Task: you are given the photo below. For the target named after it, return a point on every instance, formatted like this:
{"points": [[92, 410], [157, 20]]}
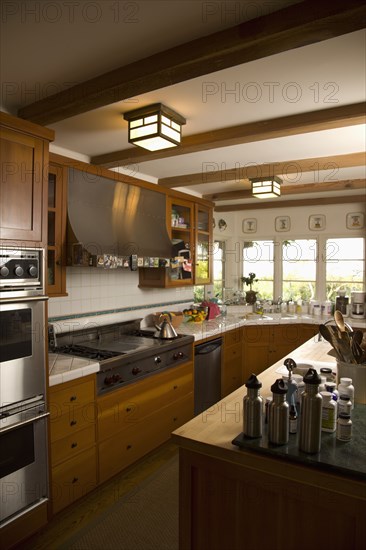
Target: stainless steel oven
{"points": [[23, 407]]}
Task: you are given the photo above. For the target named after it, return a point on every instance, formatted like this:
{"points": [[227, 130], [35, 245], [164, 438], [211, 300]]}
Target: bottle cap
{"points": [[279, 387], [326, 395], [345, 416], [346, 381], [253, 382], [344, 397], [312, 377]]}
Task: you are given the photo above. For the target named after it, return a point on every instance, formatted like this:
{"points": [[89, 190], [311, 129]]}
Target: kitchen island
{"points": [[256, 497]]}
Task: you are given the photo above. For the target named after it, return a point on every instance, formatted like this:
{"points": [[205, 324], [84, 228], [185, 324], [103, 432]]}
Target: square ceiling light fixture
{"points": [[154, 127], [266, 188]]}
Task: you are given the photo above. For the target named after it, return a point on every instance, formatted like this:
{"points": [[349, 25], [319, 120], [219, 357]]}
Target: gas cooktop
{"points": [[123, 350]]}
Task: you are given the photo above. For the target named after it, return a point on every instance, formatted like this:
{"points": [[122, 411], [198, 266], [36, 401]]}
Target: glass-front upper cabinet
{"points": [[56, 275], [203, 245], [181, 216]]}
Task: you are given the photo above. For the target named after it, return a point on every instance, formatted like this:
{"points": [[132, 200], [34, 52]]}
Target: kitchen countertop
{"points": [[63, 368], [209, 434], [237, 318]]}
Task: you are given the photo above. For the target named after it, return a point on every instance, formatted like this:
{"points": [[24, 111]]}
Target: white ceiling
{"points": [[46, 51]]}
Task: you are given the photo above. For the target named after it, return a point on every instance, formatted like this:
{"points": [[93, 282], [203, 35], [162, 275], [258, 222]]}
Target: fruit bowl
{"points": [[196, 315]]}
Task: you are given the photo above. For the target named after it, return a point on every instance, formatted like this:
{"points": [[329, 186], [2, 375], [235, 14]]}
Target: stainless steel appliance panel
{"points": [[22, 349], [207, 375], [23, 468]]}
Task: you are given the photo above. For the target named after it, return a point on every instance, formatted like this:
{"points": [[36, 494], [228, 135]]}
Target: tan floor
{"points": [[69, 521]]}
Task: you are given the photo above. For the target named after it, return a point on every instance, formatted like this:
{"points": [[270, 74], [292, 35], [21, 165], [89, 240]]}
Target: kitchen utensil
{"points": [[341, 324], [165, 330], [343, 343], [328, 336]]}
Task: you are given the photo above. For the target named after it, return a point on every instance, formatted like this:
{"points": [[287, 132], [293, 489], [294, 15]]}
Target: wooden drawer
{"points": [[233, 337], [233, 352], [128, 406], [69, 446], [65, 397], [73, 479], [135, 441], [72, 407]]}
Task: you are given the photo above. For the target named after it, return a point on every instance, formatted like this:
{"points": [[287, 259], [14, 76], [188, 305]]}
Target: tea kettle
{"points": [[165, 330]]}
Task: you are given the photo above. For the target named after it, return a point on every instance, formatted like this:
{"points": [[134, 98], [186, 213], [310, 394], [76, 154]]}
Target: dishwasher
{"points": [[207, 375]]}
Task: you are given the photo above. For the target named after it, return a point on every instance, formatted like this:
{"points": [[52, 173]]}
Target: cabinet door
{"points": [[180, 215], [56, 258], [203, 245], [23, 159]]}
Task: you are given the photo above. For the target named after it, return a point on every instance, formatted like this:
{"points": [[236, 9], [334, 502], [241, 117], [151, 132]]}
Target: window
{"points": [[258, 258], [345, 265], [219, 268], [299, 261]]}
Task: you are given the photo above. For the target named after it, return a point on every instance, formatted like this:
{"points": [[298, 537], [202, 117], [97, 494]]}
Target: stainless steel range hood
{"points": [[113, 217]]}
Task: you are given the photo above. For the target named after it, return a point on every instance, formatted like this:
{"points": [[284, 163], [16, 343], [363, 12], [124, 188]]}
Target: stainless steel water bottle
{"points": [[278, 424], [311, 414], [252, 408]]}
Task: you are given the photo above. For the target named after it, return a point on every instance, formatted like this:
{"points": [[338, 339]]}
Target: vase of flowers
{"points": [[250, 295]]}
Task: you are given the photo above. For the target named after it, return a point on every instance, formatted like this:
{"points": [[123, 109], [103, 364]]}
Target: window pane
{"points": [[258, 258], [345, 265], [299, 269]]}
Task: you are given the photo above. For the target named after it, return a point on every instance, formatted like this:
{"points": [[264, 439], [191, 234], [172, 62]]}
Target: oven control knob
{"points": [[108, 380], [18, 270], [33, 271], [116, 378], [4, 271], [178, 355], [157, 360], [135, 370]]}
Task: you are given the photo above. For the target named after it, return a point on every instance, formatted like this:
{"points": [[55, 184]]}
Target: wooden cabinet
{"points": [[23, 184], [267, 344], [134, 420], [73, 442], [57, 210], [189, 226], [232, 366]]}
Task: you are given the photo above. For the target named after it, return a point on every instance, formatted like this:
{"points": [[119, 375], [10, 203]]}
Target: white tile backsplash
{"points": [[93, 290]]}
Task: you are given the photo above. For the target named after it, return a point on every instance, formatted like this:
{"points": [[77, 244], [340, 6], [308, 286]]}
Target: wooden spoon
{"points": [[339, 320]]}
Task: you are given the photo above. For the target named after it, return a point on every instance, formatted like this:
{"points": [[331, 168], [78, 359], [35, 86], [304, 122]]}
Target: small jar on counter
{"points": [[344, 427], [346, 387], [329, 412]]}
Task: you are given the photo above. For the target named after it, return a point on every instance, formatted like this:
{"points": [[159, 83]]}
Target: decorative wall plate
{"points": [[317, 222], [355, 220], [249, 225], [283, 223]]}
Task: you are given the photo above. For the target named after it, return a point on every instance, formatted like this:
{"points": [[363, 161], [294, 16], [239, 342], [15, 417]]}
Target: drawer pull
{"points": [[75, 480], [128, 409], [73, 422], [73, 398], [175, 387], [129, 447], [175, 419], [73, 445]]}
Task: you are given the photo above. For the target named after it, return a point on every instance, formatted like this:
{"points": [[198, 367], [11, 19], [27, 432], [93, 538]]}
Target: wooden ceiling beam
{"points": [[292, 27], [297, 189], [278, 203], [251, 170], [313, 121]]}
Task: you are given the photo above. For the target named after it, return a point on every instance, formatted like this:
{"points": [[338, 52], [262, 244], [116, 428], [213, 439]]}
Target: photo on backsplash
{"points": [[355, 220], [282, 223], [317, 222], [249, 225]]}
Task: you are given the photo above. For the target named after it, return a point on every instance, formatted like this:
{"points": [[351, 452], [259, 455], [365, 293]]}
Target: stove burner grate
{"points": [[87, 353]]}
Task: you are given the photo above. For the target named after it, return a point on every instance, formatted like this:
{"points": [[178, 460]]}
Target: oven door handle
{"points": [[21, 299], [24, 422]]}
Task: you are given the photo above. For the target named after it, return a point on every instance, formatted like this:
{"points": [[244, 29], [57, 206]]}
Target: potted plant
{"points": [[250, 295]]}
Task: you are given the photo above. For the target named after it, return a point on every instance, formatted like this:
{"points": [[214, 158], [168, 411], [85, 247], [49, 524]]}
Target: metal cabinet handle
{"points": [[129, 447], [73, 398], [73, 422], [128, 409], [175, 387], [75, 480], [73, 445]]}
